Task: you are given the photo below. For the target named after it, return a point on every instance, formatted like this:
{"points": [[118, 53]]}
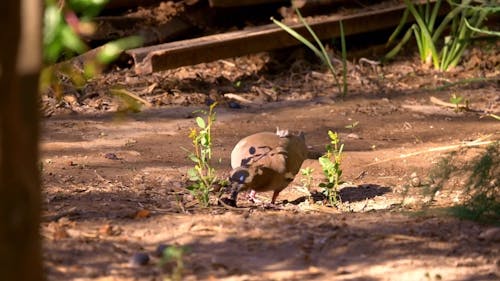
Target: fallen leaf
{"points": [[141, 214]]}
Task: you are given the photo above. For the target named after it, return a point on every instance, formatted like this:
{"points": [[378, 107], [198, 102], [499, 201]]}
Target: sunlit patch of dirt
{"points": [[115, 185]]}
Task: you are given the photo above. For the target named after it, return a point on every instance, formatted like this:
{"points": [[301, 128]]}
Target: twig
{"points": [[477, 142], [238, 98], [464, 81], [447, 104], [130, 95]]}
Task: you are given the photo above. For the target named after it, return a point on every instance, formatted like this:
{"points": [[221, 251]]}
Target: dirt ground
{"points": [[114, 184]]}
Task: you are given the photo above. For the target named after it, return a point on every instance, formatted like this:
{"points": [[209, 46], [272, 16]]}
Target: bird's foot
{"points": [[251, 197]]}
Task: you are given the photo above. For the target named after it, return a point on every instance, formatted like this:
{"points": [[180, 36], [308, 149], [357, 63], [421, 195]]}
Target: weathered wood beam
{"points": [[241, 3], [257, 39]]}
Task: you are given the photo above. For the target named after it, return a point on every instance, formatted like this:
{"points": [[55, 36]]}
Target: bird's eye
{"points": [[252, 150], [239, 176]]}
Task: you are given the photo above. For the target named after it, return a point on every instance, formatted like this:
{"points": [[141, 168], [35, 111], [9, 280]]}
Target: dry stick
{"points": [[131, 95], [238, 98], [477, 142], [447, 104]]}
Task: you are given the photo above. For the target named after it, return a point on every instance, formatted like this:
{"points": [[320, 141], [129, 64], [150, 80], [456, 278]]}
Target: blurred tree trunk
{"points": [[20, 58]]}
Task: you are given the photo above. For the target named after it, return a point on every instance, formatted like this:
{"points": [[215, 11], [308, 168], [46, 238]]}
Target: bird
{"points": [[266, 161]]}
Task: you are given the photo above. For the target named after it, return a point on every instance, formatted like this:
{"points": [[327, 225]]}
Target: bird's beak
{"points": [[235, 189]]}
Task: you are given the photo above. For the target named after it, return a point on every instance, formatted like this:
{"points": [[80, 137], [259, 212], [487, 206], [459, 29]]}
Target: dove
{"points": [[266, 161]]}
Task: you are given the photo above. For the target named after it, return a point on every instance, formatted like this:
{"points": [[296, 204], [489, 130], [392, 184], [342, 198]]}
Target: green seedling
{"points": [[330, 164], [320, 50], [174, 254], [306, 179], [202, 174], [456, 100]]}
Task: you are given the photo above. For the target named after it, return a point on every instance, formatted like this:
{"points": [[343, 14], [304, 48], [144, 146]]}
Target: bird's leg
{"points": [[272, 205], [234, 195], [275, 195], [251, 197]]}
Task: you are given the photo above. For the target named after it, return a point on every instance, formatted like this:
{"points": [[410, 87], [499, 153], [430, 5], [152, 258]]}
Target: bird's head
{"points": [[241, 178]]}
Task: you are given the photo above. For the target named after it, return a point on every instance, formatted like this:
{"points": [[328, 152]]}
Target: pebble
{"points": [[234, 105], [415, 180], [139, 259], [490, 235]]}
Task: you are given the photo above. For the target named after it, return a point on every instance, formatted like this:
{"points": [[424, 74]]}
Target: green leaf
{"points": [[193, 158], [200, 122], [71, 40], [299, 37], [112, 50], [425, 33], [398, 47], [53, 22], [324, 55], [193, 174], [324, 161], [454, 99], [344, 58], [400, 26]]}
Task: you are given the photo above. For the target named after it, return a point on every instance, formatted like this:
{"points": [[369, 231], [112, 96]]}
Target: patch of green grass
{"points": [[202, 175], [437, 48], [482, 188], [330, 164], [320, 50]]}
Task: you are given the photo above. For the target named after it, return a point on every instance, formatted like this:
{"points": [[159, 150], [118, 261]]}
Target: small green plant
{"points": [[321, 52], [456, 100], [480, 190], [307, 178], [492, 9], [330, 164], [202, 174], [174, 254], [429, 35]]}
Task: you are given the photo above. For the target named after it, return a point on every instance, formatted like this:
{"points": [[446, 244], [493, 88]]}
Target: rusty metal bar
{"points": [[257, 39]]}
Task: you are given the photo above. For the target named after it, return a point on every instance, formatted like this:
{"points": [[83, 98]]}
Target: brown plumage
{"points": [[266, 162]]}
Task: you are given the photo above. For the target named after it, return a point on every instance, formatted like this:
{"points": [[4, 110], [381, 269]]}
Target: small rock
{"points": [[111, 156], [234, 105], [490, 235], [353, 136], [209, 101], [415, 180], [139, 259]]}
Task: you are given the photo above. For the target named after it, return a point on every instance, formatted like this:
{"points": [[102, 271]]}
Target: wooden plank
{"points": [[241, 3], [257, 39]]}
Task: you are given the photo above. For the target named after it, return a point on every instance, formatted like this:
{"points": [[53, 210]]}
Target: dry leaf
{"points": [[141, 214]]}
